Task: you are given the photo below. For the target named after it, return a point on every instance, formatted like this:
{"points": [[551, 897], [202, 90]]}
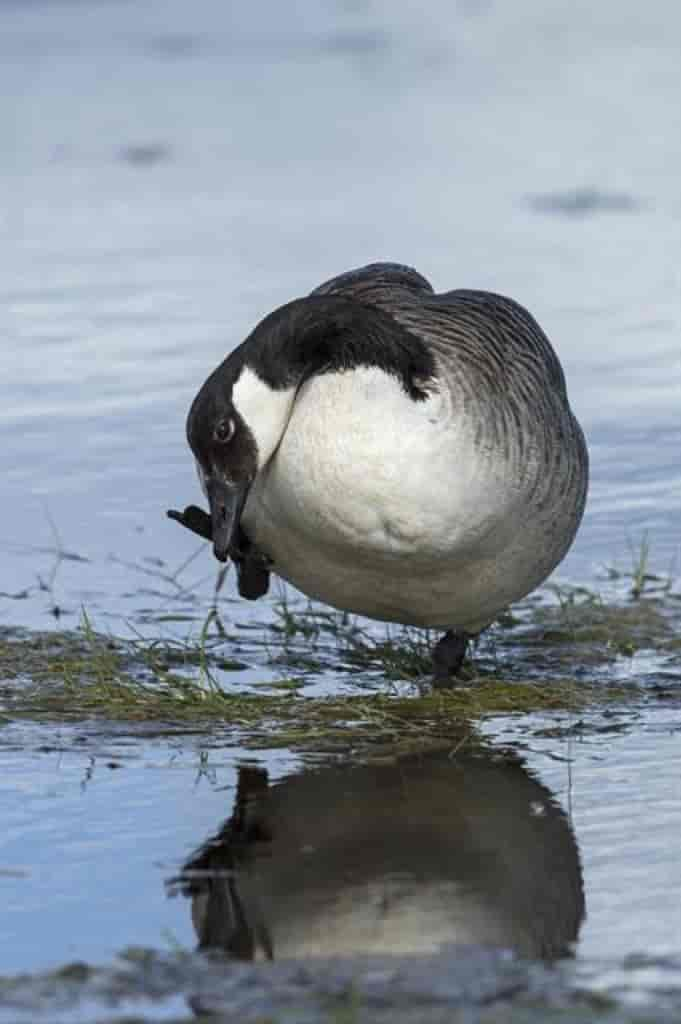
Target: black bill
{"points": [[226, 505]]}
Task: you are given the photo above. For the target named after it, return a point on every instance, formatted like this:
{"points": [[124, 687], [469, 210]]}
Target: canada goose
{"points": [[403, 455]]}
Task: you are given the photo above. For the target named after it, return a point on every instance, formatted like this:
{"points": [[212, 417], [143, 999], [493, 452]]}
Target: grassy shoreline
{"points": [[572, 654]]}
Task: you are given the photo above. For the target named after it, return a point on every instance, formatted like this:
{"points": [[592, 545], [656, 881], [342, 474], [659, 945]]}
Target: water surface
{"points": [[167, 180], [171, 174]]}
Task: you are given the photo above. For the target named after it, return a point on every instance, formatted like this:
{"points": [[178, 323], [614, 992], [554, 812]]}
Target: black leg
{"points": [[252, 569], [448, 655]]}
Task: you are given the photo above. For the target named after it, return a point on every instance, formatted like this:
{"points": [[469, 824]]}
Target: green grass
{"points": [[539, 641], [641, 580], [76, 675], [570, 650]]}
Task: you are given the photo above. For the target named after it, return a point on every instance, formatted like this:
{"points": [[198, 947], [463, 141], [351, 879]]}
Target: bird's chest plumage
{"points": [[372, 500], [360, 466]]}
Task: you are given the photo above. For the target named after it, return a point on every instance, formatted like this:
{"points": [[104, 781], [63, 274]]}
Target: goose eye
{"points": [[224, 431]]}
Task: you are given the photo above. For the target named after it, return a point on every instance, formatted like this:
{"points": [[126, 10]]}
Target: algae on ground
{"points": [[530, 663], [69, 676]]}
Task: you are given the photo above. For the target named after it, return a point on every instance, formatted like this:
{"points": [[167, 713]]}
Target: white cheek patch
{"points": [[264, 410], [202, 477]]}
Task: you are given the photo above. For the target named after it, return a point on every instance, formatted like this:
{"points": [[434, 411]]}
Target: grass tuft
{"points": [[572, 652]]}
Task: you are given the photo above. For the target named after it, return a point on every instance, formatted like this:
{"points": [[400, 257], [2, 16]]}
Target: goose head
{"points": [[234, 427]]}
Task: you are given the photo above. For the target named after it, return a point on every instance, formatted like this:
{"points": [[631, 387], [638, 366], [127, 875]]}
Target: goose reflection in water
{"points": [[405, 857]]}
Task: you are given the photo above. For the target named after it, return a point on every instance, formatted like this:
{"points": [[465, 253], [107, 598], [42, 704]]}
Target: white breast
{"points": [[381, 505], [350, 467]]}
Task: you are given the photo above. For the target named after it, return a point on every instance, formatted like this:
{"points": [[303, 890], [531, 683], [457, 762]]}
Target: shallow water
{"points": [[620, 787], [167, 180], [325, 858], [101, 816]]}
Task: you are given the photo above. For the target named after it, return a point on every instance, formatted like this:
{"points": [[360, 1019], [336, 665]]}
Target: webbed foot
{"points": [[195, 519], [252, 566]]}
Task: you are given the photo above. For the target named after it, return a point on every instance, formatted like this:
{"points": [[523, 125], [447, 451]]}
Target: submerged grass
{"points": [[75, 675], [569, 650], [87, 672], [582, 620], [572, 634]]}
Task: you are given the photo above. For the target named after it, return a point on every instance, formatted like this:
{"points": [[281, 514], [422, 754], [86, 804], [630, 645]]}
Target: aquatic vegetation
{"points": [[547, 640], [642, 580], [534, 660], [81, 675], [567, 648]]}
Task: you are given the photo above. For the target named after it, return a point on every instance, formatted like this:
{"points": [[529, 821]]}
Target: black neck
{"points": [[326, 333]]}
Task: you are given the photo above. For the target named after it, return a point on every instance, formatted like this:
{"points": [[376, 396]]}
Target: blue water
{"points": [[169, 177], [97, 818], [172, 172]]}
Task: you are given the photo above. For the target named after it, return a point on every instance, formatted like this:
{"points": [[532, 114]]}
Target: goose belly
{"points": [[382, 506], [466, 593]]}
